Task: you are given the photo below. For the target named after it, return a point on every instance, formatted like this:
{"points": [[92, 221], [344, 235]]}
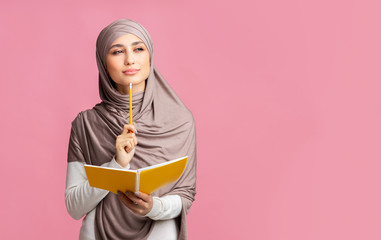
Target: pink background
{"points": [[286, 97]]}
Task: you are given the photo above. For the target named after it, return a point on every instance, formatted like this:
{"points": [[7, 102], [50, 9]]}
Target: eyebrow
{"points": [[121, 45]]}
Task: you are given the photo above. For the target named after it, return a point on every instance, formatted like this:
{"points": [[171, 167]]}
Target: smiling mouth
{"points": [[131, 71]]}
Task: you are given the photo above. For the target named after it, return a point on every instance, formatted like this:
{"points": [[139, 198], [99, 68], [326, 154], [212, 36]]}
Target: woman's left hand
{"points": [[141, 204]]}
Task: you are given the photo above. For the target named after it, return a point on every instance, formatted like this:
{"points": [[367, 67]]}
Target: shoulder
{"points": [[82, 117]]}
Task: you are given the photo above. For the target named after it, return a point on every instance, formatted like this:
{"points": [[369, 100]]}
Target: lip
{"points": [[131, 71]]}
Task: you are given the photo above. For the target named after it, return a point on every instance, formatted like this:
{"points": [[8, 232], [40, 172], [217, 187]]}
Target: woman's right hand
{"points": [[125, 145]]}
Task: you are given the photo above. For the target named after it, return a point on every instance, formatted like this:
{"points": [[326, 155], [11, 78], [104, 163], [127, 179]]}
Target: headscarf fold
{"points": [[166, 131]]}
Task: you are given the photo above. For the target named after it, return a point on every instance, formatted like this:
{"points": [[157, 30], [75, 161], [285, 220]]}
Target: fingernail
{"points": [[127, 193], [137, 193]]}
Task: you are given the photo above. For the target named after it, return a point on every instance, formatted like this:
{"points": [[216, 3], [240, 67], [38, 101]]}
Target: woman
{"points": [[163, 130]]}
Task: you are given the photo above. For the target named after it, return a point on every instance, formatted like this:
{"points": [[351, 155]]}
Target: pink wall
{"points": [[286, 95]]}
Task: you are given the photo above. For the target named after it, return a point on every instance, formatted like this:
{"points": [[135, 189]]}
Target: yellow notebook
{"points": [[147, 180]]}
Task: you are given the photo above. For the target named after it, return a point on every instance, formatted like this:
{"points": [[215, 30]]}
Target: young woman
{"points": [[163, 130]]}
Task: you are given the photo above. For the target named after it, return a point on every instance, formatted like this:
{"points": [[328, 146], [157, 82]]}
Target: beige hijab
{"points": [[166, 130]]}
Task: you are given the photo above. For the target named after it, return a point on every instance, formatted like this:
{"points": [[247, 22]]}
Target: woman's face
{"points": [[128, 61]]}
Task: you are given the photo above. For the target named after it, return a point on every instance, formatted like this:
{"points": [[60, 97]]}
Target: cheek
{"points": [[112, 67], [145, 65], [146, 70]]}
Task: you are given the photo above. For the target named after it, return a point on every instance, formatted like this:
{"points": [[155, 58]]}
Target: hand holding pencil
{"points": [[126, 141]]}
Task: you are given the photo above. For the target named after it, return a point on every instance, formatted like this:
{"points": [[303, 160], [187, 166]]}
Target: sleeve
{"points": [[166, 207], [80, 198]]}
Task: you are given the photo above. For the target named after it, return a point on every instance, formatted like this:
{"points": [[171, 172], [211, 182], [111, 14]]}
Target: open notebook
{"points": [[147, 180]]}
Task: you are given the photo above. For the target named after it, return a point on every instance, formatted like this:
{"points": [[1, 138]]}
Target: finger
{"points": [[123, 197], [128, 128], [132, 152], [134, 198], [122, 146], [127, 144], [137, 205], [128, 202], [126, 136], [135, 140], [145, 197], [132, 145], [132, 137], [120, 142], [143, 200]]}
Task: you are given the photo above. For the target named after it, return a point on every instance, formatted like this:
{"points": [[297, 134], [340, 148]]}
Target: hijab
{"points": [[165, 131]]}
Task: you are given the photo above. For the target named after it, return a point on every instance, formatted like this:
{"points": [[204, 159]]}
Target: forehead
{"points": [[127, 39]]}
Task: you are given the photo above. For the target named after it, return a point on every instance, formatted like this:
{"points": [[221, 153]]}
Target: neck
{"points": [[125, 90]]}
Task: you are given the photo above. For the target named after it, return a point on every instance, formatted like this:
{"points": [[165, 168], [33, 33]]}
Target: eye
{"points": [[116, 52], [139, 49]]}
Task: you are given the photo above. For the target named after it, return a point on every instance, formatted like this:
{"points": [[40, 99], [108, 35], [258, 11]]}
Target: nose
{"points": [[129, 60]]}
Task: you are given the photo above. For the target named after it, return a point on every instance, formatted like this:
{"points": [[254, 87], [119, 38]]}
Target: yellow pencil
{"points": [[130, 103]]}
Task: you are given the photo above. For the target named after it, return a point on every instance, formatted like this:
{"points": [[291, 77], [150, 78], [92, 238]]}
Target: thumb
{"points": [[127, 128]]}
